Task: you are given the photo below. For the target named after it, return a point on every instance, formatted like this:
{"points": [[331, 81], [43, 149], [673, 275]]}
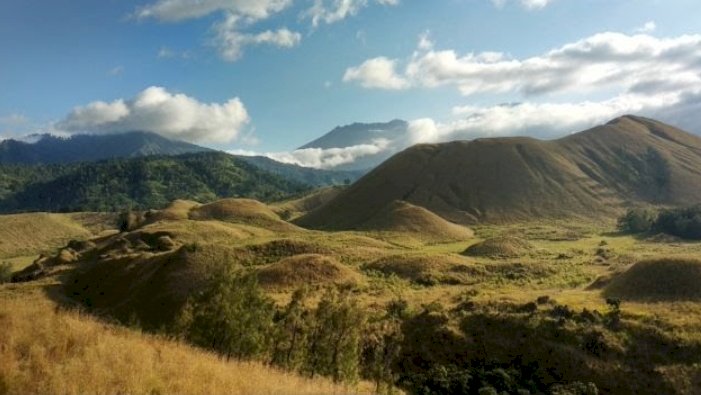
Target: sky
{"points": [[267, 76]]}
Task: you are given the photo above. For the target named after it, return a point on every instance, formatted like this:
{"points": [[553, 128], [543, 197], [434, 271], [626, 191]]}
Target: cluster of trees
{"points": [[334, 337], [138, 183], [235, 318], [681, 222]]}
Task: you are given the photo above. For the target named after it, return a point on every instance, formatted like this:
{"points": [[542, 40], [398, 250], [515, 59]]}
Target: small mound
{"points": [[245, 211], [666, 279], [148, 287], [304, 270], [315, 199], [272, 251], [400, 216], [427, 270], [500, 247], [177, 210]]}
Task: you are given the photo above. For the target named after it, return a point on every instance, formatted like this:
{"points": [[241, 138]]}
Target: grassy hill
{"points": [[140, 183], [50, 350], [35, 233], [594, 173]]}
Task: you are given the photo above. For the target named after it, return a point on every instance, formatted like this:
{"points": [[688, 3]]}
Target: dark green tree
{"points": [[231, 316]]}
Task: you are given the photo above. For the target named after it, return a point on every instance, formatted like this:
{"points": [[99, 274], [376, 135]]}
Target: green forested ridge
{"points": [[139, 183]]}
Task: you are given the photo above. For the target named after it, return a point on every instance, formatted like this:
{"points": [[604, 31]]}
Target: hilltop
{"points": [[595, 173]]}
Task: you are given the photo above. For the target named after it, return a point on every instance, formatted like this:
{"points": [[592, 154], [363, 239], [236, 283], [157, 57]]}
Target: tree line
{"points": [[682, 222], [327, 333]]}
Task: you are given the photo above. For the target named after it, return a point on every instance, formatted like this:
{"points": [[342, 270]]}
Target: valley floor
{"points": [[545, 282]]}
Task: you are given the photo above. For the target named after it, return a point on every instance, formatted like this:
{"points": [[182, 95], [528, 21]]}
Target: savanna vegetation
{"points": [[528, 308]]}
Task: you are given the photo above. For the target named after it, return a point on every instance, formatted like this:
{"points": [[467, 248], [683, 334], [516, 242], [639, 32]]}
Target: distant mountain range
{"points": [[591, 174], [49, 149], [46, 149], [140, 183]]}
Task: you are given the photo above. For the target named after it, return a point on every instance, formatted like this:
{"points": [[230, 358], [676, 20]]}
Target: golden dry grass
{"points": [[500, 247], [26, 234], [400, 216], [244, 211], [43, 350], [672, 279], [298, 270]]}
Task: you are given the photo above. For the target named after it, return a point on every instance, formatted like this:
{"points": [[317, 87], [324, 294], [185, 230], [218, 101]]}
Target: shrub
{"points": [[5, 272], [231, 316], [636, 220], [683, 222]]}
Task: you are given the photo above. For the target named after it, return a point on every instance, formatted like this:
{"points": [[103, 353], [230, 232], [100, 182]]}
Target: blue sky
{"points": [[60, 55]]}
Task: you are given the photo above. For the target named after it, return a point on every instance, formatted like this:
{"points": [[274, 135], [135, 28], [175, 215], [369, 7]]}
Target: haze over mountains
{"points": [[49, 149], [630, 160], [354, 147]]}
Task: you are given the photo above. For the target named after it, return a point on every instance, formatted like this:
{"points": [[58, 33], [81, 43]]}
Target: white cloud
{"points": [[159, 111], [332, 11], [323, 158], [376, 73], [231, 42], [535, 4], [648, 27], [179, 10], [600, 62], [550, 120], [528, 4]]}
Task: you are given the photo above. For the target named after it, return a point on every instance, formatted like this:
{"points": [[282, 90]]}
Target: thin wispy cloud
{"points": [[236, 29]]}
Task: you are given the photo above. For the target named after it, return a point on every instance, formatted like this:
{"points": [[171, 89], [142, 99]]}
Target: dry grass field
{"points": [[47, 350], [494, 276]]}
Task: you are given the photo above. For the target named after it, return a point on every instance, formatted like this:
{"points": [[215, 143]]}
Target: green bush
{"points": [[5, 272], [232, 316], [682, 222], [637, 221]]}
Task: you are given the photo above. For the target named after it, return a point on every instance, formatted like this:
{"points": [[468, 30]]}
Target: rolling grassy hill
{"points": [[591, 174]]}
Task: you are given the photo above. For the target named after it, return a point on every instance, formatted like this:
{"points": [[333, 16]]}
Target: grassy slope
{"points": [[47, 350], [595, 173], [32, 234]]}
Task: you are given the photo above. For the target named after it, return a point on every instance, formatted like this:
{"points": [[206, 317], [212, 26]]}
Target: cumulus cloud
{"points": [[332, 11], [323, 158], [231, 42], [179, 10], [172, 115], [602, 61], [376, 73]]}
